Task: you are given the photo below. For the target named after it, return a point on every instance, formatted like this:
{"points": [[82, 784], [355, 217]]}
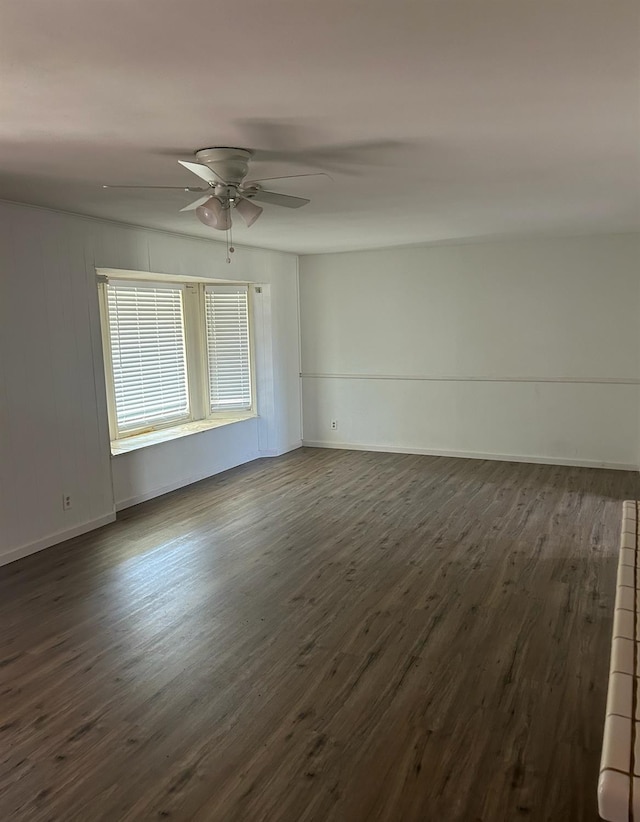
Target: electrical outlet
{"points": [[66, 502], [334, 424]]}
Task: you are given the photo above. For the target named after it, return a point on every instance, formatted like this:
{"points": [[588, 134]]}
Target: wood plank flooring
{"points": [[328, 635]]}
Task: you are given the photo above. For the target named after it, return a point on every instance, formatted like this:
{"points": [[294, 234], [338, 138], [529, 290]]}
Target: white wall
{"points": [[53, 421], [547, 312], [525, 350]]}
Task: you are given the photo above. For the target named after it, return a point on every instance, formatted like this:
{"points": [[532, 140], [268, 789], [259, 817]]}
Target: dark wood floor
{"points": [[324, 636]]}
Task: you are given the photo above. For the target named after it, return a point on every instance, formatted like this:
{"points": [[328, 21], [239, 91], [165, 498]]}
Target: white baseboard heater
{"points": [[619, 782]]}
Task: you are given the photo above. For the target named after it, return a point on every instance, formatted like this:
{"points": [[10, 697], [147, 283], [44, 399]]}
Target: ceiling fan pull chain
{"points": [[229, 237]]}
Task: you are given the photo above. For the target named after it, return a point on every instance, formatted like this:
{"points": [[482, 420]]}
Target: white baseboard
{"points": [[182, 483], [174, 486], [473, 455], [60, 536], [274, 452], [54, 539]]}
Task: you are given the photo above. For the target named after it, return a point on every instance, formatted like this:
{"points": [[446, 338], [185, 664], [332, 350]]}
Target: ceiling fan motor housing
{"points": [[230, 164]]}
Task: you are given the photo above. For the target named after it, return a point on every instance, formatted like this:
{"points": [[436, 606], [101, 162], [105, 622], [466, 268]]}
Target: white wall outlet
{"points": [[66, 502], [334, 424]]}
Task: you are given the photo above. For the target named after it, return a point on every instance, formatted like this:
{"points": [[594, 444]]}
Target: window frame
{"points": [[196, 351]]}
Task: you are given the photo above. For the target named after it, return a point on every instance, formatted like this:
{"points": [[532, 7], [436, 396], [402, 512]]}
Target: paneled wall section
{"points": [[53, 423]]}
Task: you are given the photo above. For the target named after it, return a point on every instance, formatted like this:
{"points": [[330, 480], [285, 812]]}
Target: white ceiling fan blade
{"points": [[203, 172], [248, 211], [173, 188], [286, 177], [272, 197], [200, 201]]}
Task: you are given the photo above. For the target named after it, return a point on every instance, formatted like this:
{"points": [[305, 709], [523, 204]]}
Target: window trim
{"points": [[126, 444], [196, 355]]}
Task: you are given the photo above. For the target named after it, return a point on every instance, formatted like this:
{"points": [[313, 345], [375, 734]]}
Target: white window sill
{"points": [[175, 432]]}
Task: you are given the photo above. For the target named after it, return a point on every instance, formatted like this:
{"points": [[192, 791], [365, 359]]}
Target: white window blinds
{"points": [[146, 332], [227, 330]]}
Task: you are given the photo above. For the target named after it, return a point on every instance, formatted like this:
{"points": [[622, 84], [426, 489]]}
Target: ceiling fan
{"points": [[224, 170]]}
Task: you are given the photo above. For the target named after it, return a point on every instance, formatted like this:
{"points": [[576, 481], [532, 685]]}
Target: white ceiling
{"points": [[496, 117]]}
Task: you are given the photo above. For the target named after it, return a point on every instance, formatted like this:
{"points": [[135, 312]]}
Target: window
{"points": [[148, 355], [174, 353], [227, 320]]}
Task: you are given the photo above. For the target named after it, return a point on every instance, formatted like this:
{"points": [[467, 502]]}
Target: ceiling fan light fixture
{"points": [[213, 214], [248, 211]]}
